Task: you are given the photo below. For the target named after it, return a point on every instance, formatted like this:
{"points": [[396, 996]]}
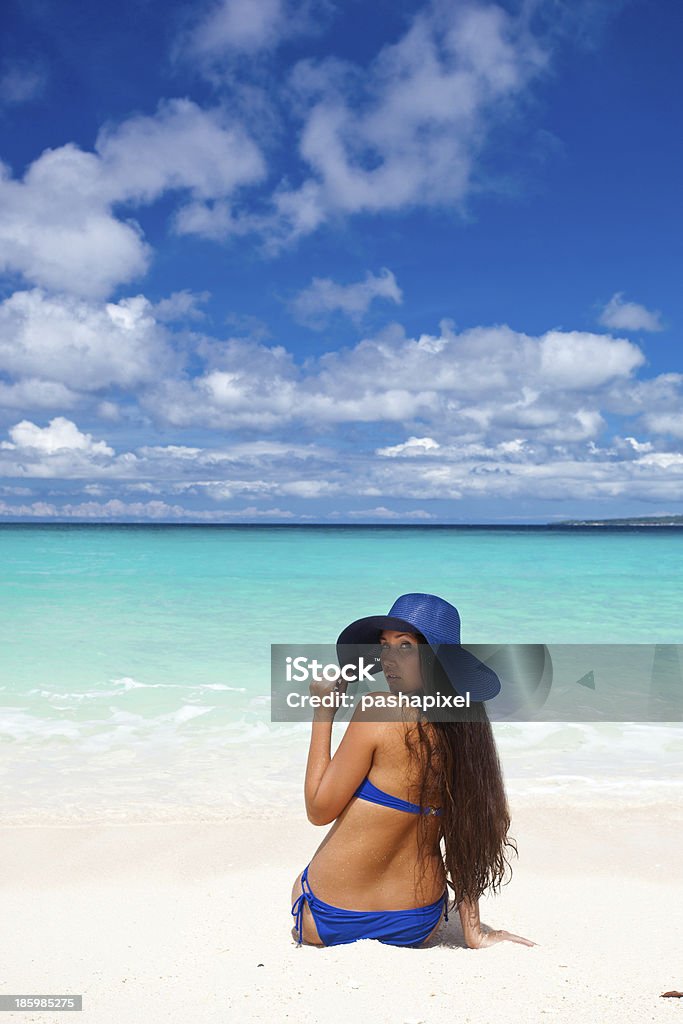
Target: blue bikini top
{"points": [[368, 791]]}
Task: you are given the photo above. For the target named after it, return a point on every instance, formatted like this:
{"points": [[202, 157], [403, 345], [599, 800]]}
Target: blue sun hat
{"points": [[439, 623]]}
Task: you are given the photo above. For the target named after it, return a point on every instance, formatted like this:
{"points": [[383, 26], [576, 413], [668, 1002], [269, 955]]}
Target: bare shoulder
{"points": [[368, 703], [376, 693], [380, 707]]}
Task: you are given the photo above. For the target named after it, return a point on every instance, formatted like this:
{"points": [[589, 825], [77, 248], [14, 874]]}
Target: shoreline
{"points": [[571, 792]]}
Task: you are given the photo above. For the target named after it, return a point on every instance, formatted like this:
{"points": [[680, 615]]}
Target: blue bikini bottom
{"points": [[337, 926]]}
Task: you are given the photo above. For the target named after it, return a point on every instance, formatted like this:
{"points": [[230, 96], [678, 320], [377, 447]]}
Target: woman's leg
{"points": [[308, 929]]}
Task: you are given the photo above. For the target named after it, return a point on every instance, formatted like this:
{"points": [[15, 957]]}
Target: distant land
{"points": [[630, 521]]}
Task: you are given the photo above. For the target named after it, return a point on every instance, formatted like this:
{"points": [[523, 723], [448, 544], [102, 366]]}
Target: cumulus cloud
{"points": [[60, 435], [182, 305], [58, 227], [56, 230], [478, 413], [578, 360], [181, 146], [324, 296], [629, 316], [256, 469], [406, 131], [664, 423], [34, 393], [483, 380], [80, 345], [59, 450], [247, 27], [457, 470]]}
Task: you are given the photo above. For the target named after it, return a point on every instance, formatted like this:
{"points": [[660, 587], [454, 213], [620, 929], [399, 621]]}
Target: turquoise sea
{"points": [[135, 660]]}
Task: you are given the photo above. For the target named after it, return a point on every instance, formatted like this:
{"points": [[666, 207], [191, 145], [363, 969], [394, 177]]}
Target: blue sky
{"points": [[280, 261]]}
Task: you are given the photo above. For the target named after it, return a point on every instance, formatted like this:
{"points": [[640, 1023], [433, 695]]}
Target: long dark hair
{"points": [[459, 761]]}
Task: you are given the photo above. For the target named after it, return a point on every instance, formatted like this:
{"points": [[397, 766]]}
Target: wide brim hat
{"points": [[439, 622]]}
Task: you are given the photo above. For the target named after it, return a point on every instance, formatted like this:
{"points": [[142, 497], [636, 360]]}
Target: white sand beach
{"points": [[191, 922]]}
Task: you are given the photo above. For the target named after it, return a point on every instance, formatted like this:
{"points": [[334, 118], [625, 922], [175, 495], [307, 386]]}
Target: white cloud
{"points": [[115, 509], [57, 226], [413, 446], [109, 411], [461, 450], [458, 469], [661, 459], [244, 26], [181, 147], [81, 345], [60, 450], [655, 403], [181, 305], [419, 118], [381, 512], [577, 360], [56, 231], [550, 477], [638, 446], [230, 28], [60, 435], [34, 393], [214, 221], [485, 412], [484, 380], [254, 454], [222, 490], [9, 489], [324, 296], [579, 425], [629, 316], [664, 423]]}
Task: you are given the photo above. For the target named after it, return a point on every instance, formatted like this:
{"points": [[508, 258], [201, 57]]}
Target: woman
{"points": [[401, 783]]}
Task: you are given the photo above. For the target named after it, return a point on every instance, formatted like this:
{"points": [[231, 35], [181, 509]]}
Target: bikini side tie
{"points": [[298, 908]]}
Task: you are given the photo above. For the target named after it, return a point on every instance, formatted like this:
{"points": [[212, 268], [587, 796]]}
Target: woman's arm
{"points": [[331, 781], [318, 757], [478, 937], [471, 924]]}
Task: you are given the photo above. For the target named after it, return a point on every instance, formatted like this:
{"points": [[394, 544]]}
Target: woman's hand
{"points": [[482, 939], [321, 687], [326, 688]]}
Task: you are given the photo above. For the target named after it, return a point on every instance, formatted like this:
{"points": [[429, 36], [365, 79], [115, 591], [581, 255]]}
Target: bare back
{"points": [[370, 859]]}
